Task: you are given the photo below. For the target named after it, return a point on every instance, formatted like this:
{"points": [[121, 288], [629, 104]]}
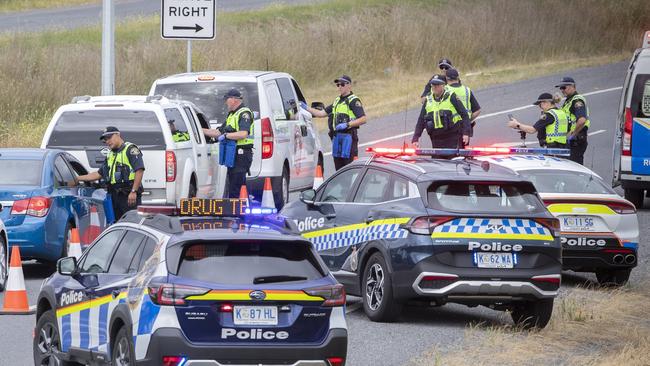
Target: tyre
{"points": [[47, 341], [281, 193], [377, 291], [192, 191], [532, 314], [3, 263], [123, 353], [635, 196], [613, 277]]}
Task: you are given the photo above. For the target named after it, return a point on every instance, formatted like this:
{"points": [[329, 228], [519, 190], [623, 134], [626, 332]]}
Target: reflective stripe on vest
{"points": [[179, 136], [342, 106], [233, 121], [557, 131], [434, 108], [566, 107], [463, 94], [114, 159]]}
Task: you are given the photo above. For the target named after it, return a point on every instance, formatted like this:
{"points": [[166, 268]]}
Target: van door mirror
{"points": [[318, 105], [66, 266], [307, 196]]}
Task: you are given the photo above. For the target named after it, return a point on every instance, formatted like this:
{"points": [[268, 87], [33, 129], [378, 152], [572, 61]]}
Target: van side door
{"points": [[203, 157]]}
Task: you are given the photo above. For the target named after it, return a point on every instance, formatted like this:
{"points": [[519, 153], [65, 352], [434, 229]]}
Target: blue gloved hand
{"points": [[342, 127], [570, 137], [303, 105], [221, 137]]}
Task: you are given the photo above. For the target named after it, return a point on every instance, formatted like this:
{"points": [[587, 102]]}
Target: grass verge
{"points": [[18, 5]]}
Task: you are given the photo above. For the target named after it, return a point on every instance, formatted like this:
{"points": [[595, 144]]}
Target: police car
{"points": [[193, 290], [600, 229], [398, 228]]}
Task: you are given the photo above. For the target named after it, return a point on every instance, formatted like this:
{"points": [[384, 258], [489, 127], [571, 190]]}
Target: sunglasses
{"points": [[563, 88], [443, 67], [341, 84]]}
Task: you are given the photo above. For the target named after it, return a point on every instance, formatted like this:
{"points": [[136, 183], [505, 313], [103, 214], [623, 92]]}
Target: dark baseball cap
{"points": [[566, 81], [444, 62], [438, 79], [343, 79], [233, 93], [109, 131], [452, 74], [544, 97]]}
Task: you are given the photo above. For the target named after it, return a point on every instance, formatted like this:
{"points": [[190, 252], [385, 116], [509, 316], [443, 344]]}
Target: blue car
{"points": [[39, 208]]}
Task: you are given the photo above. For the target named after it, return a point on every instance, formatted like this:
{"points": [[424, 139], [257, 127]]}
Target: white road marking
{"points": [[513, 144], [353, 307], [481, 117]]}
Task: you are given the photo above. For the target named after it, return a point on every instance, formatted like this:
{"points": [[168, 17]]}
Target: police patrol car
{"points": [[161, 290], [600, 229], [410, 228]]}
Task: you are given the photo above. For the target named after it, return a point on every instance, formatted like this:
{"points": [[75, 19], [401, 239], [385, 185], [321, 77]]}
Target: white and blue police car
{"points": [[193, 289]]}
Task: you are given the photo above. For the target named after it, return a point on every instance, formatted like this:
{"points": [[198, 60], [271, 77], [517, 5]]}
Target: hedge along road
{"points": [[87, 15]]}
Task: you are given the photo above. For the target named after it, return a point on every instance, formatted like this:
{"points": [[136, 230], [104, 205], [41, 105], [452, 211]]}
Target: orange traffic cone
{"points": [[243, 193], [267, 194], [94, 229], [318, 178], [355, 158], [16, 294], [74, 250]]}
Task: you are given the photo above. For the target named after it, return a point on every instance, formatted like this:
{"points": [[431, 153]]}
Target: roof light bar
{"points": [[390, 151], [478, 151]]}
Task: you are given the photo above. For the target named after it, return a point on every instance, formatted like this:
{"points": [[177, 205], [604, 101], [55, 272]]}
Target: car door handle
{"points": [[209, 154], [199, 155], [370, 219], [115, 293]]}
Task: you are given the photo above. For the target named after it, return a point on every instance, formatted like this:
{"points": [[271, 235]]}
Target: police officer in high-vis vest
{"points": [[122, 171], [177, 136], [552, 126], [465, 95], [345, 115], [445, 118], [575, 106], [239, 128]]}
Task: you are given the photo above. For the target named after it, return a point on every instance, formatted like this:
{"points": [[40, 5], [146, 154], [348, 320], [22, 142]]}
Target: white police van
{"points": [[286, 148], [631, 147], [172, 169]]}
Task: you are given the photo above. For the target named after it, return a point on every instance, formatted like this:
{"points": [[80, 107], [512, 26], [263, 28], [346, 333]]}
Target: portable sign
{"points": [[188, 19]]}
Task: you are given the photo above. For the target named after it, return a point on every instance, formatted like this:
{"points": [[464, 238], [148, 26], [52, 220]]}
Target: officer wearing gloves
{"points": [[445, 119], [552, 126], [122, 170], [345, 115], [177, 136], [236, 138], [465, 95], [575, 107]]}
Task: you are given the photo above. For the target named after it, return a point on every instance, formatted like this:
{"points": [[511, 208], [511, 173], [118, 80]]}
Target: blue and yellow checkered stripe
{"points": [[478, 228], [344, 236]]}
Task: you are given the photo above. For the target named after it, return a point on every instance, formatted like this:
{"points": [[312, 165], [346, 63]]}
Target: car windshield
{"points": [[249, 262], [555, 181], [208, 96], [82, 128], [20, 172], [497, 198]]}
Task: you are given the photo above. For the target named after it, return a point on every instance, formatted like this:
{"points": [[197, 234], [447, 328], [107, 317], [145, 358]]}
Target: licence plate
{"points": [[577, 223], [494, 260], [255, 315]]}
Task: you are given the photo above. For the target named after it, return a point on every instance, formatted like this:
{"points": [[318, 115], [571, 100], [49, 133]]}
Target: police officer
{"points": [[238, 127], [465, 95], [576, 109], [552, 126], [345, 115], [444, 64], [177, 136], [122, 170], [445, 120]]}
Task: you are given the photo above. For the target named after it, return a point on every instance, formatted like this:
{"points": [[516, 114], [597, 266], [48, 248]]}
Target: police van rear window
{"points": [[640, 104], [82, 128], [471, 197], [249, 262]]}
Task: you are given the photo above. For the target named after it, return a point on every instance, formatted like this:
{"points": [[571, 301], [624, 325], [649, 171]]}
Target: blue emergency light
{"points": [[471, 151]]}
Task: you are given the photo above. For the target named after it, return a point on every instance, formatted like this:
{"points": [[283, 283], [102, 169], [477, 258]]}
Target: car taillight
{"points": [[552, 224], [334, 295], [627, 133], [170, 166], [622, 207], [267, 138], [36, 206], [335, 361], [424, 225], [171, 294], [173, 360]]}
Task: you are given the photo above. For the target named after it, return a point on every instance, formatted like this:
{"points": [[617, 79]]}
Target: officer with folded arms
{"points": [[552, 126], [238, 129], [575, 107], [122, 170], [345, 115]]}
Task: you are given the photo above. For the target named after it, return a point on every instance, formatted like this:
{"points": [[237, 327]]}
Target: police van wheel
{"points": [[3, 263], [281, 195], [123, 353], [613, 277], [192, 191], [635, 196], [532, 314], [47, 341], [377, 291]]}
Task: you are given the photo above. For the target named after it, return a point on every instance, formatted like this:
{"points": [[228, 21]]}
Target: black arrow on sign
{"points": [[180, 27]]}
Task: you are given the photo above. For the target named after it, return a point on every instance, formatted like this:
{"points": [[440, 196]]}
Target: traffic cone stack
{"points": [[16, 295], [74, 248], [267, 194], [318, 178], [94, 229]]}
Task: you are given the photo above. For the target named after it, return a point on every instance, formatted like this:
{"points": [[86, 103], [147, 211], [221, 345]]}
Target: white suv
{"points": [[286, 147], [173, 170]]}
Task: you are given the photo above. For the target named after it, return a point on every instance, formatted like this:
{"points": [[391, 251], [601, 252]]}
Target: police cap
{"points": [[343, 79], [566, 81], [109, 131], [452, 74], [438, 79], [444, 64], [232, 93], [544, 97]]}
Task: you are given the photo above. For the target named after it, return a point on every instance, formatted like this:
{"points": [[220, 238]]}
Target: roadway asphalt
{"points": [[79, 16], [421, 330]]}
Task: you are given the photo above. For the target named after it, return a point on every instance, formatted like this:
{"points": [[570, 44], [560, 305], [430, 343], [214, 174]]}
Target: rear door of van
{"points": [[640, 114]]}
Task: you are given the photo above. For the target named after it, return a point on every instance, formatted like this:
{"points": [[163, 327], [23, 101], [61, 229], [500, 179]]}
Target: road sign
{"points": [[188, 19]]}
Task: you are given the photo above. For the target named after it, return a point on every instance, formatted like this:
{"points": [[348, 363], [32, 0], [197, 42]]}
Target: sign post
{"points": [[108, 47]]}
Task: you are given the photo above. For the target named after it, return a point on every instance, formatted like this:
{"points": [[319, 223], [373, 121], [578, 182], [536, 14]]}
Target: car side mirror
{"points": [[66, 266], [318, 105], [308, 196], [0, 207]]}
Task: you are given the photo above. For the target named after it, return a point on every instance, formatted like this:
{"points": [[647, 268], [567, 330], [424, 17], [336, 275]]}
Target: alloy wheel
{"points": [[122, 358], [3, 264], [375, 287], [48, 345]]}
